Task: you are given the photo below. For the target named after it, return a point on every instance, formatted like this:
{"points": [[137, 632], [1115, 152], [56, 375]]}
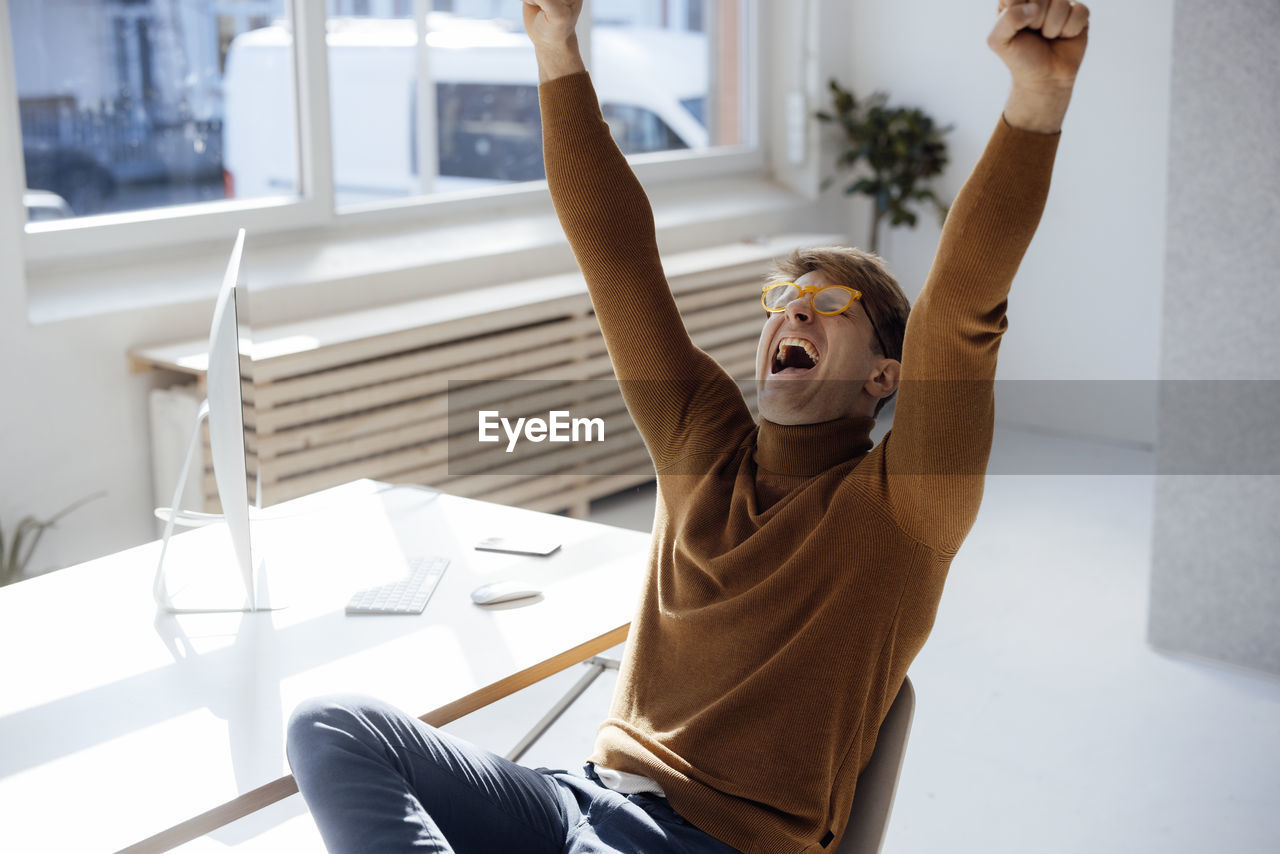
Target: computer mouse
{"points": [[502, 591]]}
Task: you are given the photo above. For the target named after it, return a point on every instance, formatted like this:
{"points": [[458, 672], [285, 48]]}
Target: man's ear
{"points": [[886, 374]]}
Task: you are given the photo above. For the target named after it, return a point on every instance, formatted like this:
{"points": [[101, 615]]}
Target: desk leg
{"points": [[595, 666]]}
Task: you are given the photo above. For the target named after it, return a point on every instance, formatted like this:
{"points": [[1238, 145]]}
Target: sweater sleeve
{"points": [[681, 400], [936, 454]]}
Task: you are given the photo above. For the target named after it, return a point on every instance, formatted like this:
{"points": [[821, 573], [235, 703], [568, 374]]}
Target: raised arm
{"points": [[679, 397], [936, 454]]}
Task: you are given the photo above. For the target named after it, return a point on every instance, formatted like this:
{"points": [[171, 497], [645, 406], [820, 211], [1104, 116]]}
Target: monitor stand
{"points": [[206, 572]]}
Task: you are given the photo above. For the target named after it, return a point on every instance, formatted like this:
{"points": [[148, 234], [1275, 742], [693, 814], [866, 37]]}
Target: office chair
{"points": [[878, 782]]}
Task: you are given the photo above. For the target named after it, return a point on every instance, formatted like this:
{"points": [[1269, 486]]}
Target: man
{"points": [[795, 570]]}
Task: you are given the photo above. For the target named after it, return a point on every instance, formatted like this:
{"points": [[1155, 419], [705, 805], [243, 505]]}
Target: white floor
{"points": [[1044, 721]]}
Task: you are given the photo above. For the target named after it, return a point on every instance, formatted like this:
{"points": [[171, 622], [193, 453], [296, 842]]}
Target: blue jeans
{"points": [[378, 780]]}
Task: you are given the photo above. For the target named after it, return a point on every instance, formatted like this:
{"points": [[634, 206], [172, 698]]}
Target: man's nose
{"points": [[800, 309]]}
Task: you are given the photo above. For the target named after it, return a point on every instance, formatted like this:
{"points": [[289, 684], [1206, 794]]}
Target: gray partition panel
{"points": [[1215, 585]]}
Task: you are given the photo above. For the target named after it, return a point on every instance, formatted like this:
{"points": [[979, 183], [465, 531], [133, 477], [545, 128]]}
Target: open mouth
{"points": [[794, 353]]}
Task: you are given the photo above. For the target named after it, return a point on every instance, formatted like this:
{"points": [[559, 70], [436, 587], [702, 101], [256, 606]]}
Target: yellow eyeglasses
{"points": [[828, 300]]}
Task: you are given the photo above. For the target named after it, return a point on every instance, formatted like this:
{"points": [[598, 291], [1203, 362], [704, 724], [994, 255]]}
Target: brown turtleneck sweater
{"points": [[795, 571]]}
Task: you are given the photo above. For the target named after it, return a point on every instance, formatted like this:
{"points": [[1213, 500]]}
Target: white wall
{"points": [[1086, 305]]}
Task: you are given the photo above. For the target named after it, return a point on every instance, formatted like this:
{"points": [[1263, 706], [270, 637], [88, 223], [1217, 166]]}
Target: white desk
{"points": [[121, 726]]}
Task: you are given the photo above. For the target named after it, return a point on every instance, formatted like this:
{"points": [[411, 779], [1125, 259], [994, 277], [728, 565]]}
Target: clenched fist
{"points": [[1043, 44], [550, 25], [551, 22]]}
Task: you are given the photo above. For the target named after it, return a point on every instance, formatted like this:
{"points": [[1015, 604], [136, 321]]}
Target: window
{"points": [[121, 103], [654, 75], [490, 131], [639, 131], [129, 107]]}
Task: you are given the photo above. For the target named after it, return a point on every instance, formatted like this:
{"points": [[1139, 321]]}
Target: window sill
{"points": [[379, 263]]}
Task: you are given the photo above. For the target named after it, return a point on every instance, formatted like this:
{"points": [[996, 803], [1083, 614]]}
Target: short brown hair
{"points": [[882, 296]]}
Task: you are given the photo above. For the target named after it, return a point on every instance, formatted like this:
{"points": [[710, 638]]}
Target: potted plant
{"points": [[901, 147], [17, 547]]}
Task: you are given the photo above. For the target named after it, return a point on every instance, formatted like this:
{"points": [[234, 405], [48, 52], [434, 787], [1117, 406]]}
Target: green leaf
{"points": [[13, 564], [865, 186], [36, 529]]}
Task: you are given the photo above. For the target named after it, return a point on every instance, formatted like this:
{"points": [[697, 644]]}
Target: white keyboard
{"points": [[406, 596]]}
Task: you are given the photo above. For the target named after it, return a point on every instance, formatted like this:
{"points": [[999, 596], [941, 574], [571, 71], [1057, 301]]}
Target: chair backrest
{"points": [[873, 799]]}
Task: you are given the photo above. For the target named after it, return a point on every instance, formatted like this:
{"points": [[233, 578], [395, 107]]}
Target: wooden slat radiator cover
{"points": [[367, 393]]}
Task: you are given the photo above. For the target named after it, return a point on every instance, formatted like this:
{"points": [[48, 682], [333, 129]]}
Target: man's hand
{"points": [[1043, 44], [551, 26]]}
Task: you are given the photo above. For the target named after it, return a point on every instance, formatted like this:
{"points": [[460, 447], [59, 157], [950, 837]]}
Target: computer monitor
{"points": [[208, 581]]}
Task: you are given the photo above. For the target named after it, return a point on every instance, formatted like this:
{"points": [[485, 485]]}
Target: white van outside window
{"points": [[653, 86]]}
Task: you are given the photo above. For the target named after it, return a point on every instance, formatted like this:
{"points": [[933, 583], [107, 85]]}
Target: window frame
{"points": [[168, 229]]}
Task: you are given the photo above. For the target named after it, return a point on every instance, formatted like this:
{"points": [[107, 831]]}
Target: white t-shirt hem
{"points": [[627, 783]]}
